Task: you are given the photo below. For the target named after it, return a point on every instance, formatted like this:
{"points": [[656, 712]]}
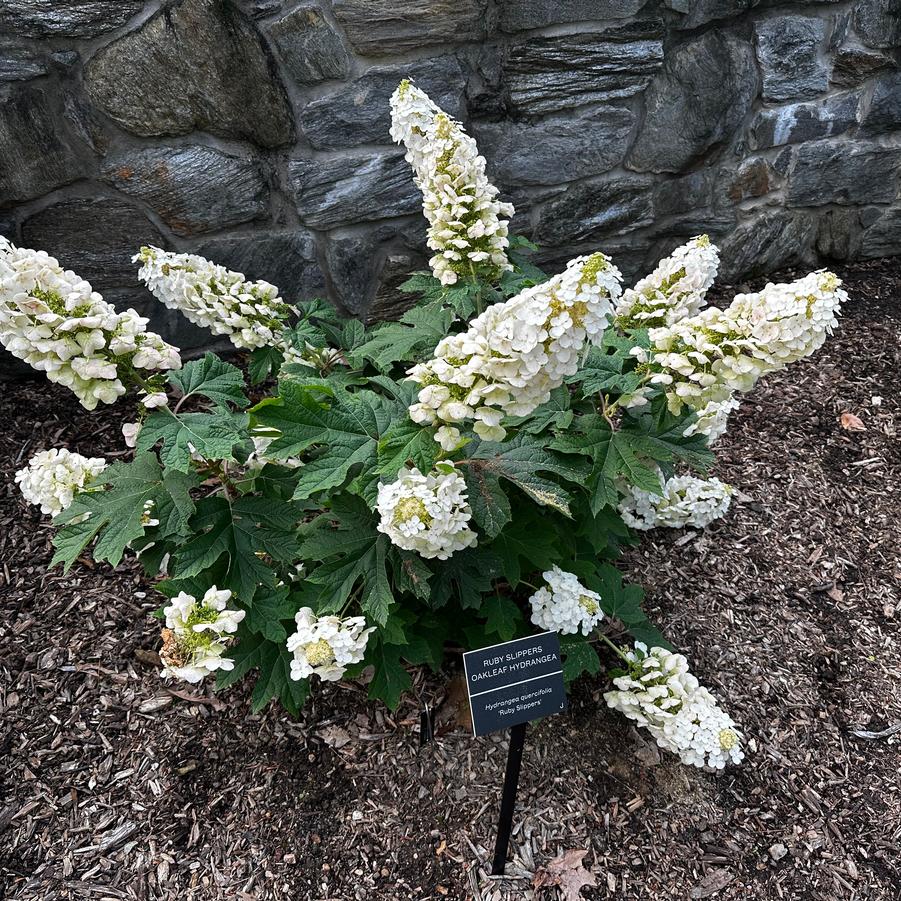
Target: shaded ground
{"points": [[113, 787]]}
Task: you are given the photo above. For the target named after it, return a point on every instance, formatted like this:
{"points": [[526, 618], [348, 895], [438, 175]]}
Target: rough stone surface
{"points": [[883, 238], [799, 122], [694, 13], [854, 64], [754, 178], [360, 114], [788, 50], [878, 22], [200, 65], [352, 189], [522, 15], [884, 113], [698, 100], [20, 63], [193, 189], [71, 18], [842, 172], [839, 234], [384, 27], [557, 150], [771, 242], [545, 75], [35, 156], [311, 49], [95, 236]]}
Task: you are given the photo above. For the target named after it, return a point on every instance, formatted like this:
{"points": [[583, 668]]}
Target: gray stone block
{"points": [[556, 150], [844, 172], [72, 18], [852, 65], [693, 13], [200, 65], [343, 190], [805, 121], [754, 178], [311, 49], [194, 189], [788, 49], [20, 63], [389, 27], [771, 241], [698, 100], [521, 15], [360, 113], [883, 237], [839, 234], [878, 22], [884, 113], [551, 74]]}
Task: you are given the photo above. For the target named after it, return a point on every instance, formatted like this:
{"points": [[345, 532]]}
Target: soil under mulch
{"points": [[113, 785]]}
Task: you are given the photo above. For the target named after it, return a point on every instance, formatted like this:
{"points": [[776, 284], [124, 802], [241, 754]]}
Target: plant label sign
{"points": [[514, 682]]}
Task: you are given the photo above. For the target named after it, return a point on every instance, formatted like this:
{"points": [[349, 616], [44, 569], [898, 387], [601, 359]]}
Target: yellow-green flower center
{"points": [[589, 605], [410, 507], [320, 653], [728, 739], [57, 303]]}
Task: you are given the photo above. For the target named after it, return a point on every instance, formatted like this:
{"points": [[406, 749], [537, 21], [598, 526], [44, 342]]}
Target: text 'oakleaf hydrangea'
{"points": [[55, 322], [565, 605], [426, 513], [682, 501], [467, 226], [515, 353], [197, 633], [53, 477], [659, 693], [326, 645], [674, 290]]}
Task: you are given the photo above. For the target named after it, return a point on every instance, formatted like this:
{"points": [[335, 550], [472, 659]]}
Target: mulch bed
{"points": [[116, 786]]}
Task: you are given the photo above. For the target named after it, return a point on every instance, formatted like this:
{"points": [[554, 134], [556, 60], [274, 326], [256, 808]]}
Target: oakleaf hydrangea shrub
{"points": [[460, 477]]}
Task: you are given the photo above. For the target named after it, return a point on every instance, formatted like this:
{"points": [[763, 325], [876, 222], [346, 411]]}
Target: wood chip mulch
{"points": [[114, 785]]}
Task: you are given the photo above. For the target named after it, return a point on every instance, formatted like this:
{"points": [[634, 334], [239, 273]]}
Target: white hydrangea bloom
{"points": [[713, 419], [660, 694], [565, 605], [53, 477], [467, 223], [427, 513], [197, 633], [674, 290], [326, 645], [55, 322], [251, 314], [259, 458], [515, 353], [130, 432], [683, 501]]}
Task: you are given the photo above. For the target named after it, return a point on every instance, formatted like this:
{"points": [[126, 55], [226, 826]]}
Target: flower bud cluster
{"points": [[682, 501]]}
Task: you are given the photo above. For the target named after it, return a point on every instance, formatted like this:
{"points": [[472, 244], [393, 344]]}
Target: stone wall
{"points": [[255, 132]]}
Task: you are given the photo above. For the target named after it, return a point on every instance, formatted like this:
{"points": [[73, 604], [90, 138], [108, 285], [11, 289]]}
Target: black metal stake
{"points": [[508, 798]]}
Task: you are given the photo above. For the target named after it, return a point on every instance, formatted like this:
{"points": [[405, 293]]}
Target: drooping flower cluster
{"points": [[53, 477], [711, 356], [259, 458], [515, 353], [326, 645], [427, 513], [660, 693], [683, 501], [251, 314], [674, 290], [565, 605], [467, 227], [197, 634], [55, 322], [713, 419]]}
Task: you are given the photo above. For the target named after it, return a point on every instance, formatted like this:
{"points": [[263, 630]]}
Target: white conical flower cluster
{"points": [[674, 290], [467, 227], [55, 322], [53, 477], [565, 605], [427, 513], [660, 693], [326, 645], [683, 501], [516, 352], [713, 419], [711, 356], [251, 314], [197, 634]]}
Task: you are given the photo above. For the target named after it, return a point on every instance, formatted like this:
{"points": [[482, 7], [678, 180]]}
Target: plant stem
{"points": [[613, 647]]}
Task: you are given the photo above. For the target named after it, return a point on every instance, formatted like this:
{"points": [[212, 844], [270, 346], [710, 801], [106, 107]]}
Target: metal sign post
{"points": [[508, 798]]}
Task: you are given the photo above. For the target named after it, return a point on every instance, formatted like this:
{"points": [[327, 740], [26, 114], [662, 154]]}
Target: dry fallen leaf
{"points": [[715, 881], [852, 423], [567, 873], [334, 736]]}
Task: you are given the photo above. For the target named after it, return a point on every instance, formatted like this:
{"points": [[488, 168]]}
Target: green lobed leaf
{"points": [[211, 378], [390, 679], [409, 339], [406, 441], [579, 656], [502, 616], [212, 435], [490, 506]]}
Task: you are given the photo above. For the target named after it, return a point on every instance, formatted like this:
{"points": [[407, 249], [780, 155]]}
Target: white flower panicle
{"points": [[259, 458], [711, 356], [515, 353], [55, 322], [682, 501], [53, 477], [426, 513], [326, 645], [713, 419], [197, 634], [251, 314], [660, 694], [467, 223], [674, 290], [565, 605]]}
